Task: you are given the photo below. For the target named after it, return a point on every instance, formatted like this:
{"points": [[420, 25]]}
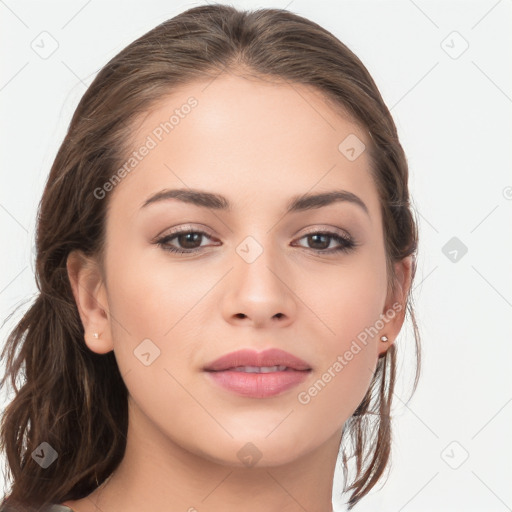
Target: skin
{"points": [[258, 144]]}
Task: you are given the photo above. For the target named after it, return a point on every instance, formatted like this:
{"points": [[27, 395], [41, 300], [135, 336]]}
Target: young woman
{"points": [[225, 251]]}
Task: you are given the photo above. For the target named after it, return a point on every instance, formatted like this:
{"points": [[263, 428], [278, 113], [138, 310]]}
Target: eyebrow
{"points": [[218, 202]]}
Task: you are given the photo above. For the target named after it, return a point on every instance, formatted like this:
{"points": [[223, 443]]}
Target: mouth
{"points": [[258, 369], [258, 375], [251, 361]]}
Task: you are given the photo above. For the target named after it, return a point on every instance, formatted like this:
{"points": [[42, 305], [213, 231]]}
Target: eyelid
{"points": [[328, 229], [183, 228]]}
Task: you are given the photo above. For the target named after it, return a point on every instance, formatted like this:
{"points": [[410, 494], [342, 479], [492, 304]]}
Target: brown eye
{"points": [[320, 242], [188, 241]]}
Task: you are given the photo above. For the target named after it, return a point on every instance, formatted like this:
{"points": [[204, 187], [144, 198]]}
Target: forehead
{"points": [[248, 139]]}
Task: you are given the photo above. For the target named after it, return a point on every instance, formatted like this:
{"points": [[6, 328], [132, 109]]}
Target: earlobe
{"points": [[90, 297], [394, 311]]}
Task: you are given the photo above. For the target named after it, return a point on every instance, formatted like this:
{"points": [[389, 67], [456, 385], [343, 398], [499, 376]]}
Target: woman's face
{"points": [[255, 275]]}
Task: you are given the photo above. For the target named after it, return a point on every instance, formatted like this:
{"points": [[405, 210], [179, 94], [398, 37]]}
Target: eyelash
{"points": [[346, 246]]}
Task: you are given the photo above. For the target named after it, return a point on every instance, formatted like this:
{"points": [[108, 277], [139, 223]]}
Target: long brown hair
{"points": [[74, 399]]}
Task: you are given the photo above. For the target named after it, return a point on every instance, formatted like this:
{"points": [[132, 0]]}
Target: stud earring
{"points": [[95, 335], [384, 338]]}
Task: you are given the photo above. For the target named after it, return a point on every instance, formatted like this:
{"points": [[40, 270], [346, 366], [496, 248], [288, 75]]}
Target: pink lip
{"points": [[270, 357], [258, 385]]}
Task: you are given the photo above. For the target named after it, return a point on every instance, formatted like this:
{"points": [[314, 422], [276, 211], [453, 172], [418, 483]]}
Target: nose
{"points": [[260, 292]]}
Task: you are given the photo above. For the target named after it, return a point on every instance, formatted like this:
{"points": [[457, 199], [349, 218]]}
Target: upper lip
{"points": [[247, 357]]}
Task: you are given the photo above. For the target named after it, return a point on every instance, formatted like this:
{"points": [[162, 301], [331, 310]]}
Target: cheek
{"points": [[348, 351], [351, 308], [148, 295], [152, 327], [351, 299]]}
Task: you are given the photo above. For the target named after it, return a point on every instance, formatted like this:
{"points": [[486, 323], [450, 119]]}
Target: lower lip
{"points": [[258, 385]]}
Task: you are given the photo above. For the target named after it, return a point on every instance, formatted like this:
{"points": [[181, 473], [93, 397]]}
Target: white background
{"points": [[454, 120]]}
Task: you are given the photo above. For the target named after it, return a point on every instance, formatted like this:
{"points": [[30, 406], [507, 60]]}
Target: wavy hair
{"points": [[75, 399]]}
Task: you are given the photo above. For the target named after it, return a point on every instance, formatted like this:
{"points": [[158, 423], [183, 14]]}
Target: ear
{"points": [[394, 310], [91, 299]]}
